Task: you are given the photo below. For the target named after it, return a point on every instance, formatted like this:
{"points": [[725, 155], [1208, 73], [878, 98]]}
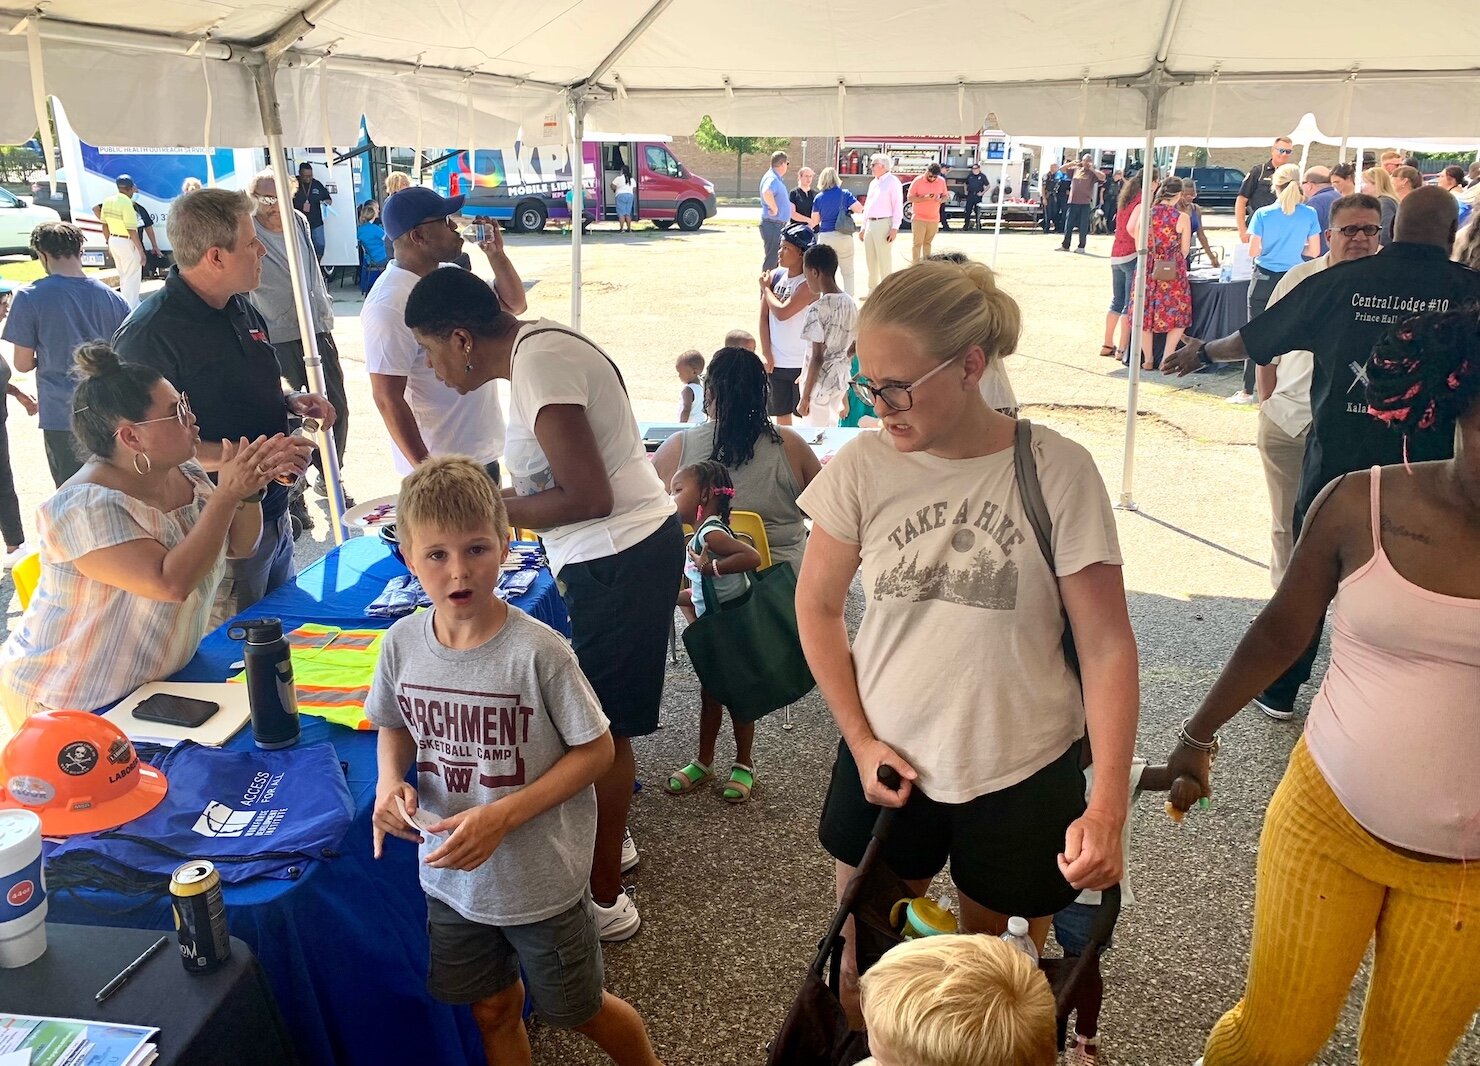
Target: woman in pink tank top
{"points": [[1374, 832]]}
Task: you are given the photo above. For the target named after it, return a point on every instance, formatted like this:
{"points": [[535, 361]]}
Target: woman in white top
{"points": [[958, 678], [133, 546], [625, 196], [581, 477]]}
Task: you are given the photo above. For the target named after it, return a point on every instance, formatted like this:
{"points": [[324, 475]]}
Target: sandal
{"points": [[742, 781], [687, 779], [1109, 351], [1086, 1051]]}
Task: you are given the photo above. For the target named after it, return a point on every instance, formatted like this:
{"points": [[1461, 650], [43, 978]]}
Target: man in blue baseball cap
{"points": [[423, 416]]}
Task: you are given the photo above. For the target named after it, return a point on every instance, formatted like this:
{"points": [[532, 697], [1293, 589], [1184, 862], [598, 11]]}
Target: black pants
{"points": [[973, 213], [291, 363], [10, 506], [1261, 288], [1076, 216], [1283, 690], [61, 454]]}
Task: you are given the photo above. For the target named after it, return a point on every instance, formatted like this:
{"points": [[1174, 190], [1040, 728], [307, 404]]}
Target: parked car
{"points": [[17, 219], [1217, 187]]}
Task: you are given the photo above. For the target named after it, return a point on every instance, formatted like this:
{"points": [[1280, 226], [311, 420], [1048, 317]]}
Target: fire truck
{"points": [[1002, 161]]}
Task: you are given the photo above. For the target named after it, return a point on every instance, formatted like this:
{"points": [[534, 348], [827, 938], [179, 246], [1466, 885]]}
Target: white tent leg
{"points": [[1001, 195], [577, 127], [263, 70], [1138, 317]]}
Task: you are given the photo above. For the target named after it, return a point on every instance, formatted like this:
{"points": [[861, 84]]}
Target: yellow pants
{"points": [[1326, 887]]}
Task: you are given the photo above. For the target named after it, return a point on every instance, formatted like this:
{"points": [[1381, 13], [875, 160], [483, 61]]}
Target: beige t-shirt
{"points": [[958, 658]]}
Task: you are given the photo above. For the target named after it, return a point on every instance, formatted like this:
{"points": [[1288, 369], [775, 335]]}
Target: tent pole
{"points": [[263, 71], [1001, 195], [1138, 315], [577, 127]]}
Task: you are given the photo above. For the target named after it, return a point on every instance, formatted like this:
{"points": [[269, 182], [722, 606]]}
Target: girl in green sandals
{"points": [[706, 492]]}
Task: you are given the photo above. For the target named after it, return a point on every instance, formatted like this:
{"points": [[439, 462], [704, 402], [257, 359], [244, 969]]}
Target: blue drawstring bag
{"points": [[252, 813]]}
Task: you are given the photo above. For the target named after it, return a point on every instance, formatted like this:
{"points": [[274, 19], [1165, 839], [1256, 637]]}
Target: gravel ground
{"points": [[734, 899]]}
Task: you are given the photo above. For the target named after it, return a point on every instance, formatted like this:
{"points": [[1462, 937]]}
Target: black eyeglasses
{"points": [[1352, 231], [895, 397]]}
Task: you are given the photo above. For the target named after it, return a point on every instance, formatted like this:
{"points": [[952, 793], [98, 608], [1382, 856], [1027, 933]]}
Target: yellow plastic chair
{"points": [[749, 526], [26, 574]]}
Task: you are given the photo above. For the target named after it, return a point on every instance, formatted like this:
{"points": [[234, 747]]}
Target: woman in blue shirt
{"points": [[371, 234], [831, 201], [1281, 236]]}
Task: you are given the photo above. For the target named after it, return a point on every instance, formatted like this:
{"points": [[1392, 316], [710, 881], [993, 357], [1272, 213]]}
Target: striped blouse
{"points": [[83, 644]]}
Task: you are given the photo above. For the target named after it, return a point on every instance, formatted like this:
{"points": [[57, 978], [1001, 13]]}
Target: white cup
{"points": [[22, 889]]}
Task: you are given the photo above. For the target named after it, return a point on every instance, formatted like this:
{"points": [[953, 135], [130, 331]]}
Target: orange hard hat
{"points": [[78, 772]]}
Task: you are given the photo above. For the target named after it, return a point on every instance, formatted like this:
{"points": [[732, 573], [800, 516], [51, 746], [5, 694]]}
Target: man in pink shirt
{"points": [[928, 195], [883, 211]]}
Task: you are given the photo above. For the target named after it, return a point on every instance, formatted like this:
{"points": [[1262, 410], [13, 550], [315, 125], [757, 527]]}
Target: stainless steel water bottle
{"points": [[270, 691]]}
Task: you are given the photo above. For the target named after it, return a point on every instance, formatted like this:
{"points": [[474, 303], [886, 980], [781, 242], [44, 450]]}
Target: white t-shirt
{"points": [[832, 321], [450, 424], [1092, 896], [696, 405], [958, 657], [554, 367], [620, 185], [788, 349]]}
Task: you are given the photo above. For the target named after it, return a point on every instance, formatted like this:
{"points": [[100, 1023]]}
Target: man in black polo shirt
{"points": [[309, 197], [1258, 188], [976, 188], [208, 340], [1339, 315]]}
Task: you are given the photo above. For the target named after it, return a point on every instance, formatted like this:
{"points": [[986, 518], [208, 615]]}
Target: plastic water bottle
{"points": [[1017, 936], [1226, 274]]}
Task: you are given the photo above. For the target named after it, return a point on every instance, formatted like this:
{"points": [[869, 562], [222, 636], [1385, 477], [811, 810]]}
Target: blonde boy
{"points": [[958, 1001], [507, 737]]}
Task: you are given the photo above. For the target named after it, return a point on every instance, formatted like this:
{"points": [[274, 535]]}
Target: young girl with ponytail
{"points": [[1370, 833]]}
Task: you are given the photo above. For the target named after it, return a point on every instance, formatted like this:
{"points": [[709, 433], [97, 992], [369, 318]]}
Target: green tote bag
{"points": [[747, 652]]}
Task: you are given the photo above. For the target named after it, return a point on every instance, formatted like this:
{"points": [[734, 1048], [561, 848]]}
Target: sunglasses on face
{"points": [[1352, 231], [268, 201], [181, 415], [895, 397], [1284, 151]]}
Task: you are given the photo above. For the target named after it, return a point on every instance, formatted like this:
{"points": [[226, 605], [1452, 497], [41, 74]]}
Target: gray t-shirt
{"points": [[487, 722], [274, 296]]}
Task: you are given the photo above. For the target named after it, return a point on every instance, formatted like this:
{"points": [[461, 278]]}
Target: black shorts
{"points": [[785, 392], [1003, 847], [620, 610]]}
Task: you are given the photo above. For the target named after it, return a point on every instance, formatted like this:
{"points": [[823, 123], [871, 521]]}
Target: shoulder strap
{"points": [[584, 340], [1025, 472]]}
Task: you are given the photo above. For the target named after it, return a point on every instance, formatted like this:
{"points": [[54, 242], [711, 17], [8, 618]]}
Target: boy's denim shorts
{"points": [[1073, 925], [561, 957]]}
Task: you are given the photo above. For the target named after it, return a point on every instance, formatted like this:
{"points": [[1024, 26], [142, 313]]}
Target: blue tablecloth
{"points": [[345, 946]]}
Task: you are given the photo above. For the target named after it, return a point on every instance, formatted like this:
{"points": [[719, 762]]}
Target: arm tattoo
{"points": [[1389, 526]]}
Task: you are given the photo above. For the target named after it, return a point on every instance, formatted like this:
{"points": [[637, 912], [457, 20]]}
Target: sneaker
{"points": [[1242, 397], [15, 555], [618, 922], [1062, 248], [630, 857], [1276, 709]]}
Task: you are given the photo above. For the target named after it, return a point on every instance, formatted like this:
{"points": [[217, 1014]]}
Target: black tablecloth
{"points": [[1218, 308], [224, 1018]]}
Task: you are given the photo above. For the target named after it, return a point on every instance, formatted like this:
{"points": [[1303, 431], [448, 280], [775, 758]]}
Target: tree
{"points": [[710, 139]]}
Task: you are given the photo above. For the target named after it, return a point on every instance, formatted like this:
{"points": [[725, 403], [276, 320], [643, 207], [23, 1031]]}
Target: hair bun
{"points": [[96, 359]]}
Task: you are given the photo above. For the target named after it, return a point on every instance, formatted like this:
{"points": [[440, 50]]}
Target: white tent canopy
{"points": [[442, 72]]}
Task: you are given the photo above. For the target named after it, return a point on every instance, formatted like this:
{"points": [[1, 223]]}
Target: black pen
{"points": [[129, 970]]}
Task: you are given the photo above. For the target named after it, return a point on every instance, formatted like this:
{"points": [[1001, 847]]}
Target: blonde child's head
{"points": [[690, 366], [451, 494], [738, 338], [958, 1001]]}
